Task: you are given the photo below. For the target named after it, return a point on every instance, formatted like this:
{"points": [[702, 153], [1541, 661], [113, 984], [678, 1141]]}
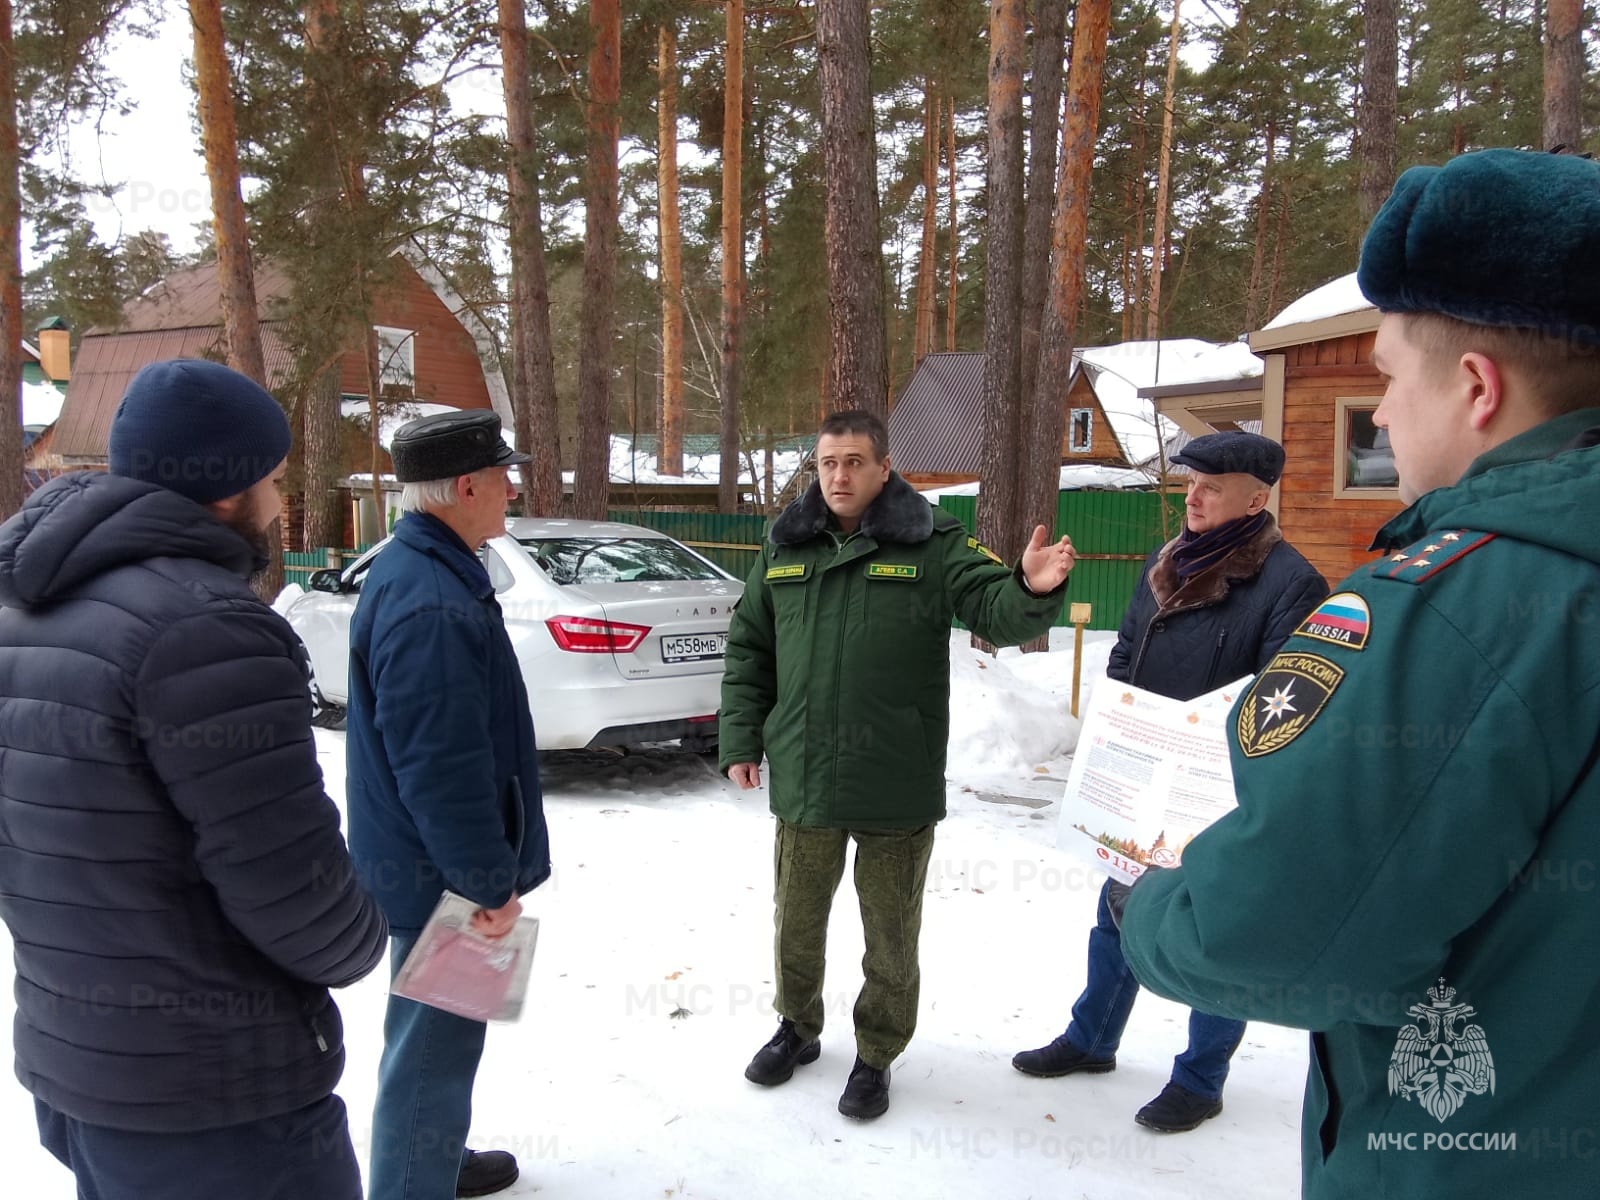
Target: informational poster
{"points": [[1148, 775]]}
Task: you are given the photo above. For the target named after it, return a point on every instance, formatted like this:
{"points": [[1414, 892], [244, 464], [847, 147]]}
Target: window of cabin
{"points": [[1363, 462], [1080, 431], [397, 356]]}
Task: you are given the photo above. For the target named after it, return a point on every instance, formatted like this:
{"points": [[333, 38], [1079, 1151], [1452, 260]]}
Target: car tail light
{"points": [[588, 635]]}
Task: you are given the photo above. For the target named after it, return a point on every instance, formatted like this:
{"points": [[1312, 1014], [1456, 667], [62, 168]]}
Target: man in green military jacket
{"points": [[838, 670], [1411, 870]]}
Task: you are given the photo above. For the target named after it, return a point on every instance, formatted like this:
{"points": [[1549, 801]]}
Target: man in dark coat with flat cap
{"points": [[443, 783], [1410, 873], [1214, 604]]}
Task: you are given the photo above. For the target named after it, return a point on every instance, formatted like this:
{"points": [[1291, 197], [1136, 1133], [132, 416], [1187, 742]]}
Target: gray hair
{"points": [[430, 494]]}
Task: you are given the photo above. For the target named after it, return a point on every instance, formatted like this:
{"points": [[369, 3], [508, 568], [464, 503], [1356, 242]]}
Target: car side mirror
{"points": [[325, 580]]}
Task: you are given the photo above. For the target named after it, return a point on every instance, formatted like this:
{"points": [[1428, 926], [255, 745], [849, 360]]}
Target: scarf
{"points": [[1197, 551]]}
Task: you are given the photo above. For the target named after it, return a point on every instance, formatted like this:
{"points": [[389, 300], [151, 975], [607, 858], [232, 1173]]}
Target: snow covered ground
{"points": [[653, 986]]}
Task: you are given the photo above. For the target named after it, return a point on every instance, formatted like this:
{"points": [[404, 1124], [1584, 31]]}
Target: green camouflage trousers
{"points": [[891, 871]]}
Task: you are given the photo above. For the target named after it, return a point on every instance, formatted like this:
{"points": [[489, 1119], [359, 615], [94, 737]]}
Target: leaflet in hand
{"points": [[456, 969], [1148, 775]]}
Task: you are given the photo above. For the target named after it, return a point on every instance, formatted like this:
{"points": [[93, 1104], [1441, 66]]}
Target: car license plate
{"points": [[692, 647]]}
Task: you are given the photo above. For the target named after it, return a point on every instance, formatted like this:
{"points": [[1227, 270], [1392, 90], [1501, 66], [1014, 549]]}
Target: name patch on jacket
{"points": [[787, 571], [1425, 559], [1343, 619], [892, 570], [1284, 700]]}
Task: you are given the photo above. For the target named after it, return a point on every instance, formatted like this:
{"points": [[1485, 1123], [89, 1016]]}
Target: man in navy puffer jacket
{"points": [[172, 873]]}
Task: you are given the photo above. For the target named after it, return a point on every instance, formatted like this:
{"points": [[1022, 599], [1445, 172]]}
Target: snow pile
{"points": [[999, 722]]}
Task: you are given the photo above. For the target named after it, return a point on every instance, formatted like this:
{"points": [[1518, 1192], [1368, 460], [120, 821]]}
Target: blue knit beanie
{"points": [[198, 428], [1496, 237]]}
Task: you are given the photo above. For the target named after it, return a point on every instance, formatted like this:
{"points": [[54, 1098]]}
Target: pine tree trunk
{"points": [[732, 254], [1044, 139], [955, 239], [1563, 74], [1380, 103], [10, 275], [321, 450], [1285, 202], [323, 454], [927, 269], [593, 475], [1141, 276], [1002, 458], [1158, 239], [220, 137], [1091, 25], [1253, 297], [373, 375], [858, 372], [535, 410], [669, 460]]}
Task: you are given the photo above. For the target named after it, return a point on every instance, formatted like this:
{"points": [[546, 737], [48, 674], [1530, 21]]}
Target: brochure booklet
{"points": [[1148, 775], [454, 968]]}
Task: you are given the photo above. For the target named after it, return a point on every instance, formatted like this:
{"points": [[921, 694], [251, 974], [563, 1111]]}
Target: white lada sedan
{"points": [[620, 631]]}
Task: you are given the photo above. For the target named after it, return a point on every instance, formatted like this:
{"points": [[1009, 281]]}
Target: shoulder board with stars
{"points": [[1426, 558]]}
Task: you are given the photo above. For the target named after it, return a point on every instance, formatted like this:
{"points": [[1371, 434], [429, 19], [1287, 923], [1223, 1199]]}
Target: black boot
{"points": [[867, 1094], [1061, 1057], [775, 1062], [486, 1172], [1177, 1110]]}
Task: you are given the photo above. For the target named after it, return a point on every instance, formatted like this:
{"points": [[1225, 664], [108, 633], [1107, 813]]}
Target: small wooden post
{"points": [[1079, 615]]}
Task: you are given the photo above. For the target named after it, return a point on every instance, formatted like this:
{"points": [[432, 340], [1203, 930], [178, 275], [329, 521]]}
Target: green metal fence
{"points": [[1112, 532]]}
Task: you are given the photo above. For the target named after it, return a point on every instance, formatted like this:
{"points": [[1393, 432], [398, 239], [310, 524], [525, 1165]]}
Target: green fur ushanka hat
{"points": [[1497, 237]]}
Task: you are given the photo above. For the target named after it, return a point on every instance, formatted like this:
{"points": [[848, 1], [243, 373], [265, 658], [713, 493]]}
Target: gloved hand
{"points": [[1117, 894]]}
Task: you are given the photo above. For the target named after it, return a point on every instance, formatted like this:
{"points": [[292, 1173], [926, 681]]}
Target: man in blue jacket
{"points": [[171, 871], [1214, 604], [443, 783]]}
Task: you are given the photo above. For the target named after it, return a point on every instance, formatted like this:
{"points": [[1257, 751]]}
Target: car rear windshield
{"points": [[617, 560]]}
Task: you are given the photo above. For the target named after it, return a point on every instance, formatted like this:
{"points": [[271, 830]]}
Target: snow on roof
{"points": [[1119, 372], [1074, 477], [1334, 299], [41, 404]]}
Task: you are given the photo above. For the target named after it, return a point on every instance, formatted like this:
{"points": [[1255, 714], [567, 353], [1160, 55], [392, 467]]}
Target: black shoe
{"points": [[775, 1062], [486, 1172], [867, 1094], [1061, 1057], [1177, 1110]]}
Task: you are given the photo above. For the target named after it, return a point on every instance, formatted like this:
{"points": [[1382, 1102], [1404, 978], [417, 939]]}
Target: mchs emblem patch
{"points": [[1284, 700]]}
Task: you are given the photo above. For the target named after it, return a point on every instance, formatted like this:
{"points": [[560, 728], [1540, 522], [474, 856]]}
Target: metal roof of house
{"points": [[936, 426], [107, 362]]}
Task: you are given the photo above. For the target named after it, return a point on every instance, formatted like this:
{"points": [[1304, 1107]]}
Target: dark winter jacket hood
{"points": [[171, 870], [899, 514], [1526, 488], [82, 525]]}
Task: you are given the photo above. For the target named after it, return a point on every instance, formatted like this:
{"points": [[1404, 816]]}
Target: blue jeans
{"points": [[1101, 1014], [424, 1105], [302, 1155]]}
